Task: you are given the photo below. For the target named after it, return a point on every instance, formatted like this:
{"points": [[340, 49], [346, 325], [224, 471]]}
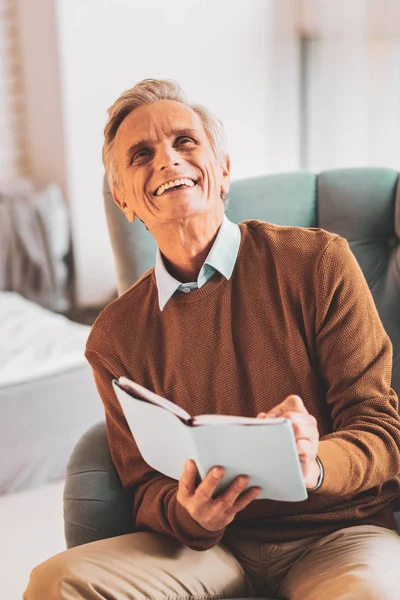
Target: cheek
{"points": [[137, 186], [212, 175]]}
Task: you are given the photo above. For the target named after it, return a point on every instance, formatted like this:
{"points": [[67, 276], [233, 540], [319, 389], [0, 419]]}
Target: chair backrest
{"points": [[362, 205]]}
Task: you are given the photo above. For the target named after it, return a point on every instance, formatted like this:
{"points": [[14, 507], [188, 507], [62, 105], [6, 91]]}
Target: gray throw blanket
{"points": [[26, 262]]}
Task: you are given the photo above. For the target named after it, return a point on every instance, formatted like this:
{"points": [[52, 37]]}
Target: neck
{"points": [[186, 244]]}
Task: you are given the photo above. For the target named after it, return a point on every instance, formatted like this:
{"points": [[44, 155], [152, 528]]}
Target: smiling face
{"points": [[166, 165]]}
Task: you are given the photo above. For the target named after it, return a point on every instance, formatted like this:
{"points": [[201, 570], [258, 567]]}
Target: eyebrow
{"points": [[176, 132]]}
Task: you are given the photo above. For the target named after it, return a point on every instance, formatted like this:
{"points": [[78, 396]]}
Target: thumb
{"points": [[292, 403]]}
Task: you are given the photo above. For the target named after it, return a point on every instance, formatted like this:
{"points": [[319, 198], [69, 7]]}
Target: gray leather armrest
{"points": [[95, 504]]}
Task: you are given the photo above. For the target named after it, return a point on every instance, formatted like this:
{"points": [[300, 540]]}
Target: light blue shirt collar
{"points": [[222, 258]]}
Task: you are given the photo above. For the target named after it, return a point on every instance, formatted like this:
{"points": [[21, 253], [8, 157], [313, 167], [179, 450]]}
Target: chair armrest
{"points": [[95, 503]]}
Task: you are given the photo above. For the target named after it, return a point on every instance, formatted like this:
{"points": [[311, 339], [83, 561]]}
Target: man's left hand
{"points": [[305, 432]]}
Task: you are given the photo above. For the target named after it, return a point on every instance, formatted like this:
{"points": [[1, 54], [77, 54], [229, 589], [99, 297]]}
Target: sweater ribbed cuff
{"points": [[192, 531]]}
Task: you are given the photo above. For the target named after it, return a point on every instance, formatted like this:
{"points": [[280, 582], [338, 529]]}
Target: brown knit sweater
{"points": [[296, 317]]}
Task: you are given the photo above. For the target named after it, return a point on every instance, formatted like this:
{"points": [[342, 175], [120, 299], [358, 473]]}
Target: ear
{"points": [[128, 212], [226, 174]]}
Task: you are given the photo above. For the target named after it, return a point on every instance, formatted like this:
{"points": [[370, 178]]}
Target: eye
{"points": [[140, 156], [185, 141]]}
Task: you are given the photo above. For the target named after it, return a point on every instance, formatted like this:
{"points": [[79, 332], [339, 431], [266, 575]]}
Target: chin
{"points": [[184, 214], [184, 208]]}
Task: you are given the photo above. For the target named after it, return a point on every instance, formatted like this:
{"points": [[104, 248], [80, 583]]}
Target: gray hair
{"points": [[149, 91]]}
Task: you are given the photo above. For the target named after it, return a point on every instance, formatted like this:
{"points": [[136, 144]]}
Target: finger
{"points": [[301, 417], [227, 498], [304, 426], [306, 450], [245, 499], [291, 403], [264, 415], [187, 481], [206, 488]]}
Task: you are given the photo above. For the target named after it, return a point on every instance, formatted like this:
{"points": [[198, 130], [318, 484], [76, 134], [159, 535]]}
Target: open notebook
{"points": [[166, 435]]}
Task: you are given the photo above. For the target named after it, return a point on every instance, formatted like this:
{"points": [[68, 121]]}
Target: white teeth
{"points": [[170, 184]]}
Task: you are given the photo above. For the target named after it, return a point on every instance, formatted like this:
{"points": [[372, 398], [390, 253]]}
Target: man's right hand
{"points": [[213, 513]]}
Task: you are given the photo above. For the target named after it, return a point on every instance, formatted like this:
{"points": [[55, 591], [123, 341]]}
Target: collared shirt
{"points": [[222, 258]]}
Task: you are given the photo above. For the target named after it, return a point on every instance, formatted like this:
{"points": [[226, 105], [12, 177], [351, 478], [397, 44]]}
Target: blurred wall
{"points": [[353, 103], [240, 58], [351, 67]]}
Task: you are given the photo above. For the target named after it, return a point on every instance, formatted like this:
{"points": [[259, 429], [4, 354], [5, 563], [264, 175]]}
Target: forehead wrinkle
{"points": [[182, 131]]}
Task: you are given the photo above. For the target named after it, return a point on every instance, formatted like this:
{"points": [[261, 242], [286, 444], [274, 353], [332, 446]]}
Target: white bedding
{"points": [[35, 342], [48, 397]]}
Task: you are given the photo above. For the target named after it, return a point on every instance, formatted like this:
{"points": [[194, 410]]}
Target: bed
{"points": [[47, 394]]}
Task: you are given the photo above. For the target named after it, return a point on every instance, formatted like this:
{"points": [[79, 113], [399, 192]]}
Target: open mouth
{"points": [[175, 185]]}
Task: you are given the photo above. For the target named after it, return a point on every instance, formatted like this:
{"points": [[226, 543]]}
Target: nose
{"points": [[167, 157]]}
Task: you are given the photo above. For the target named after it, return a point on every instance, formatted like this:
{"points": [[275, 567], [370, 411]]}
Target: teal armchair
{"points": [[362, 205]]}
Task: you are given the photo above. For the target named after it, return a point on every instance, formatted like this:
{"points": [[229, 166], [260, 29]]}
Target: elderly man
{"points": [[253, 320]]}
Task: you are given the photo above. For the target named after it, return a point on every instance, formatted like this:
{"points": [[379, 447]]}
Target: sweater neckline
{"points": [[210, 287]]}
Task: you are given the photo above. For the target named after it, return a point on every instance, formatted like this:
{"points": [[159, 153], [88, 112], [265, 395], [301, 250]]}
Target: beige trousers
{"points": [[357, 563]]}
